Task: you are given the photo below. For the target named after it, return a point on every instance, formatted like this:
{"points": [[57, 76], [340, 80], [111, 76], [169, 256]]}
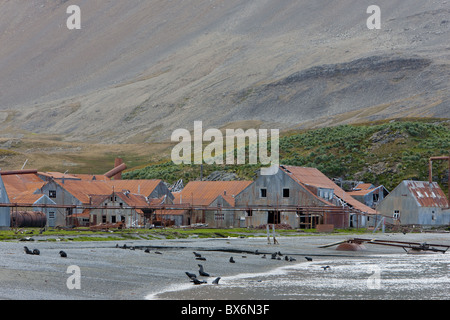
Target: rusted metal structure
{"points": [[311, 216], [356, 244], [296, 196], [13, 172], [107, 226], [116, 172], [28, 219]]}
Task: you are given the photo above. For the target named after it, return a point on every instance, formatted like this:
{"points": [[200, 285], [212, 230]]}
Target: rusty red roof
{"points": [[26, 198], [427, 194], [364, 186], [314, 177], [18, 183], [74, 176], [202, 193], [84, 189]]}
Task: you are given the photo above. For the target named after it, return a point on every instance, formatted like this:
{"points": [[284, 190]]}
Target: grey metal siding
{"points": [[62, 197], [401, 200], [5, 219]]}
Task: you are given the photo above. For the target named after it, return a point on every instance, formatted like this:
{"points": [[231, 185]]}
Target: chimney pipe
{"points": [[117, 170], [118, 162]]}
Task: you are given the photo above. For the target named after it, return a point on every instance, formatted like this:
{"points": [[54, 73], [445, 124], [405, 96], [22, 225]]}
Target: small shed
{"points": [[369, 194], [416, 202]]}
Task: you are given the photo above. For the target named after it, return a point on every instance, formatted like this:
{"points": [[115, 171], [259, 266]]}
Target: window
{"points": [[219, 216], [249, 213], [52, 193], [396, 215], [51, 215], [285, 192], [263, 193]]}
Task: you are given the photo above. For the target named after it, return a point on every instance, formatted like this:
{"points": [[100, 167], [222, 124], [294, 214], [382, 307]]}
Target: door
{"points": [[51, 219], [273, 217]]}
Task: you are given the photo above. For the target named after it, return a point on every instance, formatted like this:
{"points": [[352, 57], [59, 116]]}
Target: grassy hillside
{"points": [[381, 153]]}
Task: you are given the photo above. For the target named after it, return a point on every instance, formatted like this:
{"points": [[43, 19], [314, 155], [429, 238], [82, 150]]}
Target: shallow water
{"points": [[392, 276]]}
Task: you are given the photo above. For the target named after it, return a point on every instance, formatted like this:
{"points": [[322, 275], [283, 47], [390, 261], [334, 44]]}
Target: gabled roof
{"points": [[28, 198], [427, 194], [314, 177], [142, 187], [83, 190], [365, 186], [132, 199], [57, 175], [129, 199], [83, 176], [363, 192], [77, 176], [202, 193], [18, 183]]}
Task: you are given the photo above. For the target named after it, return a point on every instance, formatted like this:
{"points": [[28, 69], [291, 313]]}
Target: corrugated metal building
{"points": [[215, 197], [368, 194], [82, 192], [297, 187], [18, 186], [113, 208], [418, 203]]}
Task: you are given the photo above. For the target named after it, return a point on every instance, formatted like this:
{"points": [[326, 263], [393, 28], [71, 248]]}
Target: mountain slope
{"points": [[380, 153], [137, 70]]}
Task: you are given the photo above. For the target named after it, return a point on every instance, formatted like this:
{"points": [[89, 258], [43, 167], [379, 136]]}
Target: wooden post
{"points": [[273, 234]]}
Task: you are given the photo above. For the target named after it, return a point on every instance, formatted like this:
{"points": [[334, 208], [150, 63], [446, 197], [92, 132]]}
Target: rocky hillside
{"points": [[137, 70]]}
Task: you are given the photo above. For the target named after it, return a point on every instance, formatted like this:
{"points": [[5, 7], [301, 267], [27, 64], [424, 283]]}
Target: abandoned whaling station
{"points": [[294, 197]]}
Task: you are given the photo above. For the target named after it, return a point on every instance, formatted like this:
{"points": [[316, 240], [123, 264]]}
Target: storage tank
{"points": [[30, 219]]}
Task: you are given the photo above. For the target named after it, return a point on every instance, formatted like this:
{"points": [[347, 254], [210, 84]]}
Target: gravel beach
{"points": [[110, 272]]}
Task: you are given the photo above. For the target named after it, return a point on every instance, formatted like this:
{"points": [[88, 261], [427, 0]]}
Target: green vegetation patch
{"points": [[380, 153]]}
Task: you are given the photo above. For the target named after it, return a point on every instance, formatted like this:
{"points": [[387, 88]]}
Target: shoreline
{"points": [[110, 273]]}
